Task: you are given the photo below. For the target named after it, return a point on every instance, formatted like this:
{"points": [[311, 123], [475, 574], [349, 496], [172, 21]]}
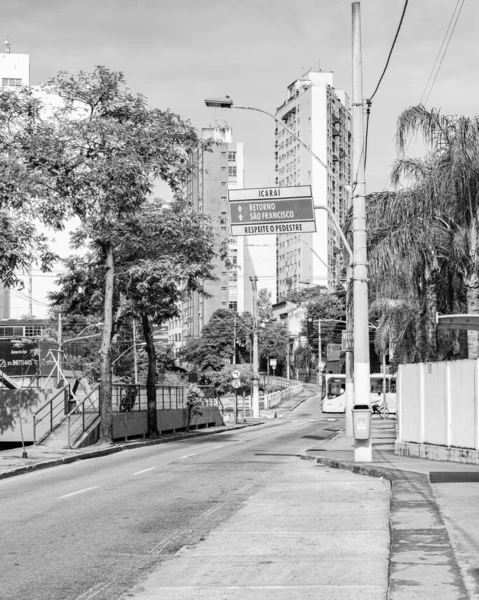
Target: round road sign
{"points": [[236, 374], [236, 383]]}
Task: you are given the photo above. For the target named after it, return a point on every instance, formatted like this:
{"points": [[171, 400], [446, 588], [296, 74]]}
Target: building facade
{"points": [[207, 191], [321, 117]]}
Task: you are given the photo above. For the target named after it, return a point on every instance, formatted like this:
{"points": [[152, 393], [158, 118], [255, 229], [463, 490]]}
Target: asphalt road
{"points": [[92, 529]]}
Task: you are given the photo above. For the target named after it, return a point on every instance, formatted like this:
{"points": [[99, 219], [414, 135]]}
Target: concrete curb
{"points": [[427, 537], [113, 449]]}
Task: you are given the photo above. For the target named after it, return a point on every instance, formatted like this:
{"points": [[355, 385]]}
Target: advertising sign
{"points": [[18, 359], [260, 211]]}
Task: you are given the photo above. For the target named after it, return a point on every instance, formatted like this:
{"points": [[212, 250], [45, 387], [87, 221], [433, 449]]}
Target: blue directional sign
{"points": [[262, 211]]}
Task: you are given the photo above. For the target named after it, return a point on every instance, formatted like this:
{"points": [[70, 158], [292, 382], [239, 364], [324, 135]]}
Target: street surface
{"points": [[94, 529]]}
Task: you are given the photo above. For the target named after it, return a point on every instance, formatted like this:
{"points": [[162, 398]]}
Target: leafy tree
{"points": [[216, 346], [97, 156], [264, 306], [273, 341], [221, 380], [331, 309], [21, 244], [162, 255]]}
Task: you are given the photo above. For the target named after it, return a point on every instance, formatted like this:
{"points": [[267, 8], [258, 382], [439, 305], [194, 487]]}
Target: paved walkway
{"points": [[300, 537], [434, 511]]}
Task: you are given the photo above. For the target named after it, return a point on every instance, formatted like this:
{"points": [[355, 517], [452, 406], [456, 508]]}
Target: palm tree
{"points": [[407, 247], [449, 178]]}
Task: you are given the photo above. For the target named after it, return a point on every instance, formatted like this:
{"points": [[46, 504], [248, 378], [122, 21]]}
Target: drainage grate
{"points": [[454, 477]]}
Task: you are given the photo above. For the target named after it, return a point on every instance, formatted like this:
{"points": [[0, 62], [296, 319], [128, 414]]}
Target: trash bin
{"points": [[361, 421]]}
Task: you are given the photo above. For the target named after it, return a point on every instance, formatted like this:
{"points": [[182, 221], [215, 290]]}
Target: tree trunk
{"points": [[430, 316], [421, 337], [105, 396], [150, 378], [472, 289]]}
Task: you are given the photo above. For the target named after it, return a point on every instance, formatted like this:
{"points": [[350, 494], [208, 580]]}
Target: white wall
{"points": [[438, 404]]}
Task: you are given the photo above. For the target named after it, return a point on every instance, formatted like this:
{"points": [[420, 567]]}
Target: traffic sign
{"points": [[236, 374], [236, 383], [259, 211], [273, 362]]}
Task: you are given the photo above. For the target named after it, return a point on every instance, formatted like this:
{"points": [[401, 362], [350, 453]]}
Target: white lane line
{"points": [[245, 488], [188, 456], [295, 421], [79, 492], [93, 591], [158, 548], [145, 470], [211, 510]]}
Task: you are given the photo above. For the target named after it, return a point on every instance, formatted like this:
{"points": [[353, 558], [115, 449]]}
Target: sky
{"points": [[179, 53]]}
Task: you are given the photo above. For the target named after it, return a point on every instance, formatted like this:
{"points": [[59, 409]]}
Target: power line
{"points": [[444, 53], [391, 50], [369, 100], [447, 36]]}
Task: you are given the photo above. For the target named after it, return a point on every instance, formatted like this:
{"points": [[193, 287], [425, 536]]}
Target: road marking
{"points": [[295, 421], [211, 510], [245, 488], [145, 470], [158, 548], [187, 456], [93, 591], [79, 492]]}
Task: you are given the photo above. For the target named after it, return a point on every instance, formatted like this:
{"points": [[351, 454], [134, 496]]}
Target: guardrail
{"points": [[54, 407], [86, 411], [272, 400]]}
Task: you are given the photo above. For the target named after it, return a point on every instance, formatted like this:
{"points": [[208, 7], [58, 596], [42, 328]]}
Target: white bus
{"points": [[334, 395]]}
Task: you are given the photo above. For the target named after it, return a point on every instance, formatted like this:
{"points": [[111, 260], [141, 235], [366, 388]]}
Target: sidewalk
{"points": [[298, 535], [432, 556], [39, 457]]}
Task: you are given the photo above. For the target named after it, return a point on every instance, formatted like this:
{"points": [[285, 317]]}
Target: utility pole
{"points": [[255, 397], [320, 362], [234, 339], [362, 448], [349, 388], [135, 359]]}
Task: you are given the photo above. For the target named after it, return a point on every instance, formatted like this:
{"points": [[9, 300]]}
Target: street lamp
{"points": [[362, 314]]}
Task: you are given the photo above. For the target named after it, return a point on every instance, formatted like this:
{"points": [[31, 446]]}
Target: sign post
{"points": [[260, 211]]}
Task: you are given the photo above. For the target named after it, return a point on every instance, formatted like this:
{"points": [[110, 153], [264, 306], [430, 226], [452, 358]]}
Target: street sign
{"points": [[347, 341], [236, 383], [236, 374], [273, 362], [259, 211]]}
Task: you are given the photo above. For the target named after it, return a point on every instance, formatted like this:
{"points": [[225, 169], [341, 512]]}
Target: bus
{"points": [[383, 387]]}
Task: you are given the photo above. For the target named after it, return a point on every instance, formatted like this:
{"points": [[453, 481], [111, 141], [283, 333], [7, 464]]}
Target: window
{"points": [[33, 330], [231, 155], [8, 81], [223, 228], [233, 305], [232, 171]]}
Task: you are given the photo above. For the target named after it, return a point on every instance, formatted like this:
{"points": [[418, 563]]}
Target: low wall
{"points": [[12, 404], [132, 424], [438, 410]]}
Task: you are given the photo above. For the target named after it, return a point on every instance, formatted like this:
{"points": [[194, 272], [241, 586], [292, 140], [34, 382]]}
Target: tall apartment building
{"points": [[321, 117], [214, 174], [207, 190], [14, 73]]}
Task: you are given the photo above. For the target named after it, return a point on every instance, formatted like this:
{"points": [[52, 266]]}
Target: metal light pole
{"points": [[255, 396], [362, 448]]}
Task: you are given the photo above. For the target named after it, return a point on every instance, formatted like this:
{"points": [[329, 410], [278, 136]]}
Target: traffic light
{"points": [[310, 326]]}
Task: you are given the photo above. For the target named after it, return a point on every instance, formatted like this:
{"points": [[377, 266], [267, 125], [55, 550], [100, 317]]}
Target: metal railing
{"points": [[55, 407], [85, 412], [133, 397]]}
